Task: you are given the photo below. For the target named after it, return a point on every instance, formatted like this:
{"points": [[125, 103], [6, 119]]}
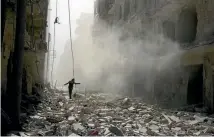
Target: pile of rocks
{"points": [[94, 115]]}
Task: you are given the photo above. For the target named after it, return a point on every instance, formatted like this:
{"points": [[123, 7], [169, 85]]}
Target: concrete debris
{"points": [[174, 118], [36, 117], [95, 116], [115, 130], [126, 102], [78, 127], [73, 134], [71, 120], [131, 109], [61, 104]]}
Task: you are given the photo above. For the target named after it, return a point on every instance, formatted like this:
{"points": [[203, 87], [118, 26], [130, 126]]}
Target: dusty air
{"points": [[107, 68]]}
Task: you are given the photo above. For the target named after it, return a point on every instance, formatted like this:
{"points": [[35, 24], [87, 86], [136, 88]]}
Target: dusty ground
{"points": [[93, 114]]}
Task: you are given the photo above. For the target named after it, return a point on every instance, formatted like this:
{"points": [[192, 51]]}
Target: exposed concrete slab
{"points": [[196, 55]]}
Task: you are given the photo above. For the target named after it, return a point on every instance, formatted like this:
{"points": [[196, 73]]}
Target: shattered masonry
{"points": [[94, 115]]}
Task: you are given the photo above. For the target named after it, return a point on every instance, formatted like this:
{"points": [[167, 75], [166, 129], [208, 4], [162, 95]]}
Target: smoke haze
{"points": [[117, 60]]}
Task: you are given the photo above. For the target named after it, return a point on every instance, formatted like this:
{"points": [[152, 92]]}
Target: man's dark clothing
{"points": [[70, 87]]}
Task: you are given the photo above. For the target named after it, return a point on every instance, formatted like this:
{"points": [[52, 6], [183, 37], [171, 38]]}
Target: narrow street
{"points": [[92, 114], [151, 62]]}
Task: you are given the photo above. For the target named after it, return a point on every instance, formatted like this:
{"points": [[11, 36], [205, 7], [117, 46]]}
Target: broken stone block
{"points": [[61, 104], [210, 130], [116, 122], [118, 109], [71, 108], [123, 124], [129, 122], [153, 127], [176, 129], [125, 111], [147, 120], [78, 127], [126, 102], [104, 110], [142, 129], [131, 109], [110, 113], [91, 125], [105, 131], [36, 117], [101, 114], [53, 119], [115, 130], [71, 119], [117, 118], [197, 133], [102, 120], [152, 132], [174, 118], [108, 118]]}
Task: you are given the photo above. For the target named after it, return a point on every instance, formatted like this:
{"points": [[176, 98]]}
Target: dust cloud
{"points": [[117, 60]]}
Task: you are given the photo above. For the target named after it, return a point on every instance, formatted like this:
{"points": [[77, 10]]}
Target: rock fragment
{"points": [[115, 130], [126, 102]]}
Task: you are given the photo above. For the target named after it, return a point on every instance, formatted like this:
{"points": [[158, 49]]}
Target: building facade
{"points": [[35, 46], [190, 23]]}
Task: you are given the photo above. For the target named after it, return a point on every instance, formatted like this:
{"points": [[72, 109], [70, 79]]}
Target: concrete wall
{"points": [[209, 80], [31, 56]]}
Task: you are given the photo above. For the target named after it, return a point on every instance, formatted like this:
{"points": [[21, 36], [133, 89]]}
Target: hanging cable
{"points": [[56, 21], [69, 12]]}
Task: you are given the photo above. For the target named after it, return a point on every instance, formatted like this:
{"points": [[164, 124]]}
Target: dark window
{"points": [[187, 26]]}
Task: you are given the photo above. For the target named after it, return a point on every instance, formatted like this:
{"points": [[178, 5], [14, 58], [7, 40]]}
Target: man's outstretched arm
{"points": [[76, 83], [66, 83]]}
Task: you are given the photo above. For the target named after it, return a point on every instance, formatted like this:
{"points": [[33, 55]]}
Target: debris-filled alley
{"points": [[91, 114], [147, 65]]}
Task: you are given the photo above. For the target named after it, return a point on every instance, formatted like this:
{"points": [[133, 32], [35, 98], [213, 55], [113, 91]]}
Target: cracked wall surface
{"points": [[34, 54]]}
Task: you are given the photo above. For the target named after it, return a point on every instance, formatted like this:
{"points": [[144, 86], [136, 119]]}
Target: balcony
{"points": [[206, 43], [193, 54]]}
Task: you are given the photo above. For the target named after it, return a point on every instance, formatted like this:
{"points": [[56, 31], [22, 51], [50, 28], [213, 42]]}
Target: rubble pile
{"points": [[95, 116]]}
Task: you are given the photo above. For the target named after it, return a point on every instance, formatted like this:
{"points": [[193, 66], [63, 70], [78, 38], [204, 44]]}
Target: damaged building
{"points": [[190, 23], [35, 47]]}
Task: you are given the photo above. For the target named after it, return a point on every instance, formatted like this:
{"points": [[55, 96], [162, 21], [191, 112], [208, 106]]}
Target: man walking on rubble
{"points": [[70, 86]]}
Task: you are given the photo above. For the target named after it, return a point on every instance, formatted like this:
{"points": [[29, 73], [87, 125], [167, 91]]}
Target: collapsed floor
{"points": [[92, 114]]}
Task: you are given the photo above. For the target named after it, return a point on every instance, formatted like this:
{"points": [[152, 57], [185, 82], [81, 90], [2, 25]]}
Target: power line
{"points": [[56, 21], [69, 12]]}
